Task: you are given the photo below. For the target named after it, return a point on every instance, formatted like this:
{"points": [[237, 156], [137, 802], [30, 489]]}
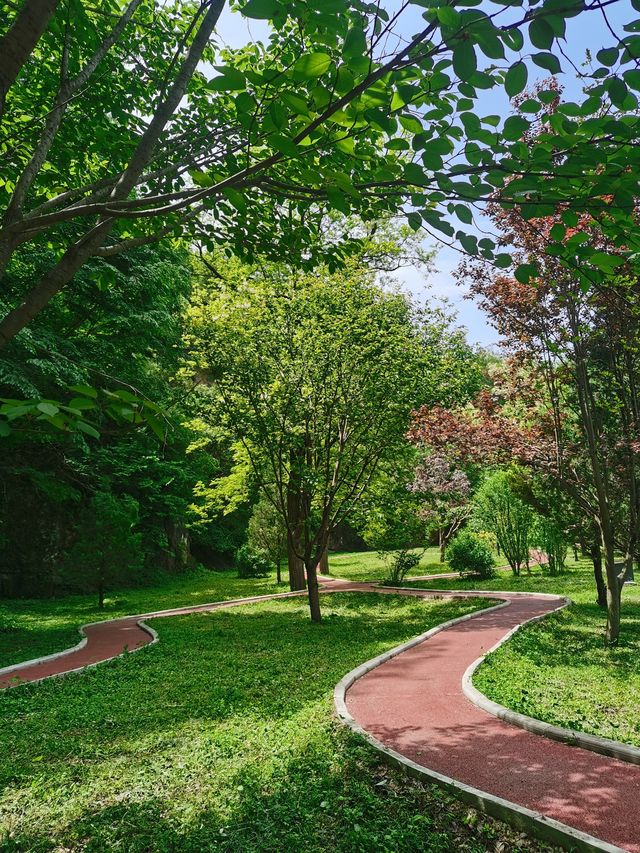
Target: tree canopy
{"points": [[346, 106]]}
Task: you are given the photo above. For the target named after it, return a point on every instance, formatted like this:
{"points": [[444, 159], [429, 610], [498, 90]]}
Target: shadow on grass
{"points": [[328, 794]]}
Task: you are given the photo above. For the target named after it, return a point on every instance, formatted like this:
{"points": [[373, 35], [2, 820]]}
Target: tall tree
{"points": [[316, 375], [585, 346]]}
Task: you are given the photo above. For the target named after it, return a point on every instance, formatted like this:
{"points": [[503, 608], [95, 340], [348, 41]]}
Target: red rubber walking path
{"points": [[414, 704]]}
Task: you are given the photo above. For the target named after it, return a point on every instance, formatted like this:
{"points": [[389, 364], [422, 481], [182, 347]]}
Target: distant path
{"points": [[413, 706]]}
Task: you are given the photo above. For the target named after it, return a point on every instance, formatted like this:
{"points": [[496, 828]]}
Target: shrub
{"points": [[403, 562], [251, 564], [499, 509], [468, 554]]}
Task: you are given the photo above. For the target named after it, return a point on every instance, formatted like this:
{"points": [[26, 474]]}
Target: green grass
{"points": [[33, 627], [558, 670], [369, 566], [221, 738]]}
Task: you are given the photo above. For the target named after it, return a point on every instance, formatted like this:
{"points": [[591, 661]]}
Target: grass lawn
{"points": [[559, 670], [369, 566], [221, 738], [33, 627]]}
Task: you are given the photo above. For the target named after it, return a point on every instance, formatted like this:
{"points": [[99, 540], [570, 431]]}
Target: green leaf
{"points": [[448, 16], [606, 263], [229, 79], [261, 9], [632, 78], [46, 408], [82, 403], [311, 65], [547, 61], [617, 90], [414, 174], [525, 272], [83, 426], [607, 56], [297, 104], [284, 145], [156, 426], [464, 214], [515, 127], [355, 43], [541, 33], [5, 429], [516, 79], [85, 390], [557, 232], [502, 261], [415, 220], [464, 60]]}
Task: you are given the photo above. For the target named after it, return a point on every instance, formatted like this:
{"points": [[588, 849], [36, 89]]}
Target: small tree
{"points": [[267, 533], [553, 542], [468, 553], [499, 510], [446, 491], [108, 548]]}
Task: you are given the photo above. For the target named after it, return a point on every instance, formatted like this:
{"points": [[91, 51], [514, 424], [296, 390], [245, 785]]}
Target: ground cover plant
{"points": [[177, 748], [370, 566], [33, 627], [559, 669]]}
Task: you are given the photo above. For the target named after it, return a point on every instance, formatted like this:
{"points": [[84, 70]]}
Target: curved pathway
{"points": [[410, 703]]}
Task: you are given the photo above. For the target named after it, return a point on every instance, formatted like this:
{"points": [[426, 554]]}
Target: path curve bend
{"points": [[410, 704]]}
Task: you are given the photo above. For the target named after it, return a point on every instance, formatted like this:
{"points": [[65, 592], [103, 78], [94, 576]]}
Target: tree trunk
{"points": [[614, 590], [575, 552], [314, 594], [295, 563], [443, 544], [629, 576], [323, 564], [101, 594], [17, 45], [601, 587], [296, 567], [279, 571]]}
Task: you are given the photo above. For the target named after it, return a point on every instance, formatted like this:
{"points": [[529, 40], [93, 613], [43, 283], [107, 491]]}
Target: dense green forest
{"points": [[161, 496]]}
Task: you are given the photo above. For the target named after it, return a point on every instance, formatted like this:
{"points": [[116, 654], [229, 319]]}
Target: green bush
{"points": [[468, 554], [403, 562], [252, 564]]}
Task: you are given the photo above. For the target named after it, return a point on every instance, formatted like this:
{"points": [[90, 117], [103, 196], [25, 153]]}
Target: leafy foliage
{"points": [[107, 549], [252, 564], [499, 510], [469, 554], [337, 110]]}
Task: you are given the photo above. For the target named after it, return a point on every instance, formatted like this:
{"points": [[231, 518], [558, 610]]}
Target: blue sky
{"points": [[585, 33]]}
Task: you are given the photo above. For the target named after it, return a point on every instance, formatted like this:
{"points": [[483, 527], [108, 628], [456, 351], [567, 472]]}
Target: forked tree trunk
{"points": [[314, 593]]}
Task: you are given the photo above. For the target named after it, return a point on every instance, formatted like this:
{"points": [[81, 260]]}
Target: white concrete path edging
{"points": [[604, 746], [139, 619], [7, 670], [527, 820]]}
